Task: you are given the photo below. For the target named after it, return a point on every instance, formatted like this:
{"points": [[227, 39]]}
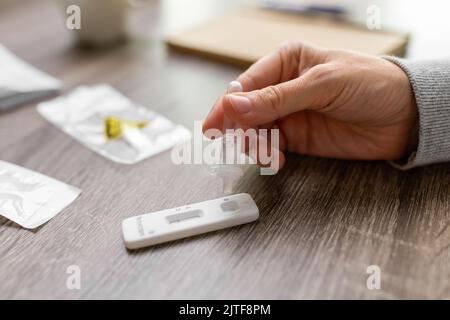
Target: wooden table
{"points": [[323, 222]]}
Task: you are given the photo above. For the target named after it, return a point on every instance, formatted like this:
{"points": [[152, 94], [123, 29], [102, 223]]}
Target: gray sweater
{"points": [[430, 81]]}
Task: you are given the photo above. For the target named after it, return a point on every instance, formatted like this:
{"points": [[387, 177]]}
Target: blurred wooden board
{"points": [[244, 36]]}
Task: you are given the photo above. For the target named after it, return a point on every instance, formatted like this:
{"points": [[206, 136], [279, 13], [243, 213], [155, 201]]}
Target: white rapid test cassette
{"points": [[172, 224]]}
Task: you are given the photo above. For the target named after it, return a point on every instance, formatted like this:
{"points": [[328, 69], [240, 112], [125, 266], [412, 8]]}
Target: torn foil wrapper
{"points": [[30, 199], [21, 83], [82, 115]]}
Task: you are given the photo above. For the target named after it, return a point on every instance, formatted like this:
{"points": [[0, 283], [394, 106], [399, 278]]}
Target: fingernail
{"points": [[240, 104], [235, 86]]}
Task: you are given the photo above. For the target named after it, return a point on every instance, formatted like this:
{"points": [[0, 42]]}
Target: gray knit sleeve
{"points": [[430, 81]]}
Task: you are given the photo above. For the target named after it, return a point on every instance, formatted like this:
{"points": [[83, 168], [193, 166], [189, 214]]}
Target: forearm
{"points": [[430, 81]]}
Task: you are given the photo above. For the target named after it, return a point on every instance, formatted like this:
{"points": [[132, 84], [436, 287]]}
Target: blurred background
{"points": [[426, 21], [147, 70]]}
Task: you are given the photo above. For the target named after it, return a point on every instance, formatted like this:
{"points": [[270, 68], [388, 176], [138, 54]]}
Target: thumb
{"points": [[274, 102]]}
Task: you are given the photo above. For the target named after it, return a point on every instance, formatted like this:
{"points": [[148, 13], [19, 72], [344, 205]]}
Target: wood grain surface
{"points": [[323, 222]]}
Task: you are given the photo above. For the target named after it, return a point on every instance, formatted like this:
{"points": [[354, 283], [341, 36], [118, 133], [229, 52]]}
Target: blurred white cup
{"points": [[102, 22]]}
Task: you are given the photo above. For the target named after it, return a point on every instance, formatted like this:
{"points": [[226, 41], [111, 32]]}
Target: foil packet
{"points": [[30, 199], [21, 83], [110, 124]]}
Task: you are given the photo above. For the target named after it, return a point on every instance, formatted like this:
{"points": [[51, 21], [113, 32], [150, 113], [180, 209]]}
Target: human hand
{"points": [[327, 103]]}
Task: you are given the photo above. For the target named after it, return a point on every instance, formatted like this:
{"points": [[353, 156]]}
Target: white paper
{"points": [[81, 114], [21, 82], [29, 198]]}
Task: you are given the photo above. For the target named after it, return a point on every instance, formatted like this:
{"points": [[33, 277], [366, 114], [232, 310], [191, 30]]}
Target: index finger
{"points": [[283, 64], [286, 63]]}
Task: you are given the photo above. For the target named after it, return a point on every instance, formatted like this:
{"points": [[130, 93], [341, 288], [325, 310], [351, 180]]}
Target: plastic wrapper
{"points": [[85, 113], [21, 83], [30, 199]]}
